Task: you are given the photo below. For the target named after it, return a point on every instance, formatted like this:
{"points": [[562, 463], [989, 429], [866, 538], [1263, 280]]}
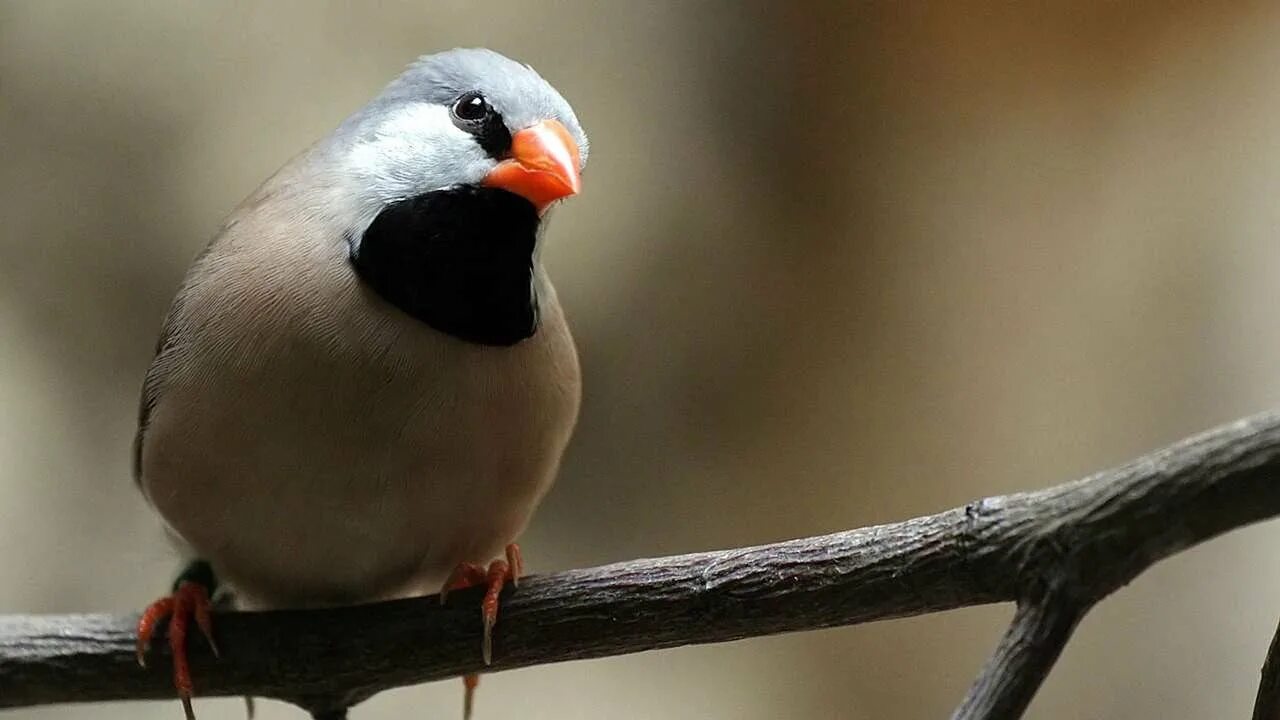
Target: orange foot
{"points": [[494, 579], [190, 600]]}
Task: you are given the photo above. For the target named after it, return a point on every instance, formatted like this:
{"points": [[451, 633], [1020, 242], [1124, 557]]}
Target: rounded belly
{"points": [[339, 497], [334, 533], [354, 454]]}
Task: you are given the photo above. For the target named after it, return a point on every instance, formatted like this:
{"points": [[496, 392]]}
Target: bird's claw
{"points": [[464, 576], [189, 601], [486, 645], [516, 561], [494, 579], [499, 572]]}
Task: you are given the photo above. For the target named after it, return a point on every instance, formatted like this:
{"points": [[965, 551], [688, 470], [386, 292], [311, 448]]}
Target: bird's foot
{"points": [[494, 579], [189, 601]]}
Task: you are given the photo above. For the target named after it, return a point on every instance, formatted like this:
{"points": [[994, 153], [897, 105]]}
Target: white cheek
{"points": [[415, 150]]}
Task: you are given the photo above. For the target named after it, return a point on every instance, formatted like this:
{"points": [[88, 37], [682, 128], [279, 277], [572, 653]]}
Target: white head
{"points": [[461, 117]]}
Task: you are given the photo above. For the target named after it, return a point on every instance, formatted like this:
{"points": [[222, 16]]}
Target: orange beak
{"points": [[542, 166]]}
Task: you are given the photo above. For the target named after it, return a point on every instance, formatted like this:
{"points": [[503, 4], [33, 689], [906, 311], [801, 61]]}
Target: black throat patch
{"points": [[459, 260]]}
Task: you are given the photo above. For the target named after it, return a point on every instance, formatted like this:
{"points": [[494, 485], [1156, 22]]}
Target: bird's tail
{"points": [[329, 714]]}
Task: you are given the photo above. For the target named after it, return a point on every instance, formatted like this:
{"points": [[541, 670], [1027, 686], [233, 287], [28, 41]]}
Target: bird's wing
{"points": [[158, 372], [154, 382]]}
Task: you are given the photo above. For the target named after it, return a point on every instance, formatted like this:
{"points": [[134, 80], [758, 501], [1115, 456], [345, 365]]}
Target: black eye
{"points": [[474, 115], [471, 107]]}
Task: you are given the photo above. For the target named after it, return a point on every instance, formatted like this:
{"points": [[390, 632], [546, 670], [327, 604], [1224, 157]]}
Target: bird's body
{"points": [[366, 379], [319, 446]]}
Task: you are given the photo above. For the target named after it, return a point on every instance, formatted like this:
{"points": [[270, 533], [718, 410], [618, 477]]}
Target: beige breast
{"points": [[318, 446]]}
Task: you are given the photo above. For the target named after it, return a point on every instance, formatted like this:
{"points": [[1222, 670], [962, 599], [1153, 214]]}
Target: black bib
{"points": [[459, 260]]}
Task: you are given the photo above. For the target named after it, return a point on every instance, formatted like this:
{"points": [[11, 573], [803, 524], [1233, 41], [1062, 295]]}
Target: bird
{"points": [[366, 382]]}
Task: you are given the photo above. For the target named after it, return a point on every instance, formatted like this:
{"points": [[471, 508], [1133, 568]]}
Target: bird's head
{"points": [[468, 118], [450, 170]]}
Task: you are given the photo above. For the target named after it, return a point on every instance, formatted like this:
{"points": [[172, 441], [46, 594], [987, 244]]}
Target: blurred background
{"points": [[836, 264]]}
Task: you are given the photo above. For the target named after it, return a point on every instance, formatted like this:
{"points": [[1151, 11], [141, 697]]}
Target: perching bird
{"points": [[365, 383]]}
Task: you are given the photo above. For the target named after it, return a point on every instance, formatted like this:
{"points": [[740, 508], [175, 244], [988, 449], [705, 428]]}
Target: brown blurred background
{"points": [[836, 264]]}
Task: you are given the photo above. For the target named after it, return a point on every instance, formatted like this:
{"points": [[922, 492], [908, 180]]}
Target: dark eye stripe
{"points": [[473, 114]]}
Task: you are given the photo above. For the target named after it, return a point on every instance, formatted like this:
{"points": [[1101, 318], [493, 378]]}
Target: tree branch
{"points": [[1021, 661], [1056, 551]]}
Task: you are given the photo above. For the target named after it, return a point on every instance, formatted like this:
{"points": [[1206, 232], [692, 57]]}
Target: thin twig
{"points": [[1082, 539], [1267, 705]]}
